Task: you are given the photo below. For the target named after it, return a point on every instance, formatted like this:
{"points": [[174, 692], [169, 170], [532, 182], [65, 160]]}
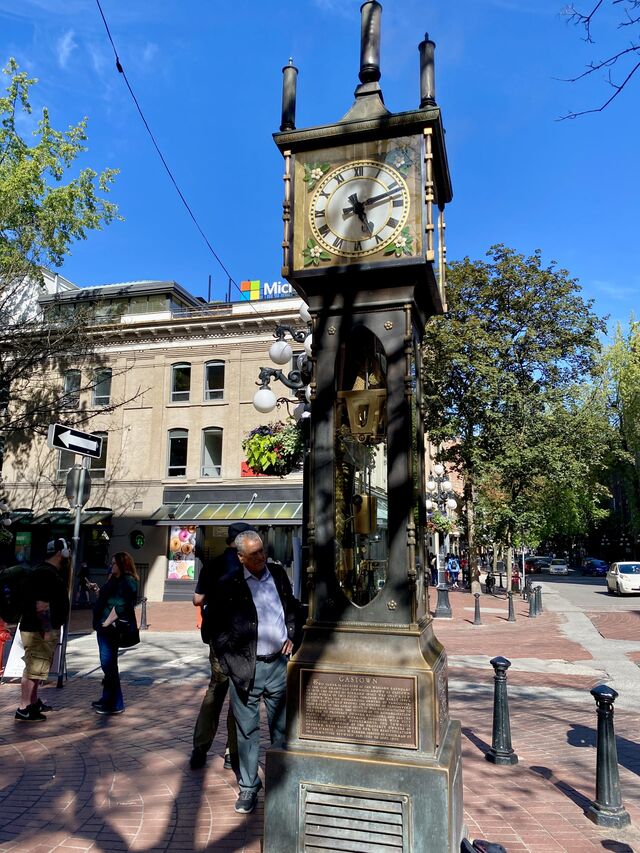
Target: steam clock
{"points": [[372, 758]]}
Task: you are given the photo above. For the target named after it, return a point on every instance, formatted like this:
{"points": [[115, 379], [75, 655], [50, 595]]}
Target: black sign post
{"points": [[62, 437]]}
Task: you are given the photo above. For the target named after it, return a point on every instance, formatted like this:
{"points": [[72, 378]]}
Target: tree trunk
{"points": [[471, 527]]}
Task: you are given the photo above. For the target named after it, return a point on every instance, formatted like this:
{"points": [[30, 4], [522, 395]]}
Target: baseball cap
{"points": [[238, 527]]}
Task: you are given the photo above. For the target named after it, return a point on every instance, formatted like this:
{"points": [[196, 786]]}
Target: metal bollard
{"points": [[501, 751], [532, 605], [143, 615], [500, 581], [476, 615], [607, 808], [538, 599], [512, 612]]}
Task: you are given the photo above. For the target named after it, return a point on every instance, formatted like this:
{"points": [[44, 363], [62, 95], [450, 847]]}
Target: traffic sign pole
{"points": [[80, 500]]}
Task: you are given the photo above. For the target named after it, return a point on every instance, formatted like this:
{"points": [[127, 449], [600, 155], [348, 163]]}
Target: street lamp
{"points": [[440, 497], [281, 352]]}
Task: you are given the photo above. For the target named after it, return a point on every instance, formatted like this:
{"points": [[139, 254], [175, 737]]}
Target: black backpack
{"points": [[13, 585]]}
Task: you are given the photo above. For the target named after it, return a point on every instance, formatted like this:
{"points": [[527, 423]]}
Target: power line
{"points": [[166, 165]]}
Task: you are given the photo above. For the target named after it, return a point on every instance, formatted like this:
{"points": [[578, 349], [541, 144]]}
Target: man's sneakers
{"points": [[198, 758], [246, 802], [42, 706], [231, 761], [30, 714], [107, 712]]}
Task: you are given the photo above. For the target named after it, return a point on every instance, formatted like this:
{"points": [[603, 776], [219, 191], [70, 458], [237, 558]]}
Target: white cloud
{"points": [[65, 47], [149, 52]]}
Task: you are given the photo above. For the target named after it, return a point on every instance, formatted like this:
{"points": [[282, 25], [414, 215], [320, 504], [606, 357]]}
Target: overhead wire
{"points": [[166, 165]]}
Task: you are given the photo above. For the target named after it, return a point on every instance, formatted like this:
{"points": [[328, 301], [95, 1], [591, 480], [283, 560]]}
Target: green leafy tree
{"points": [[46, 203], [516, 340]]}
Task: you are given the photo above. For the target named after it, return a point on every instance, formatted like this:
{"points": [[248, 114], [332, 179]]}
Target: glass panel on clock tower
{"points": [[362, 549]]}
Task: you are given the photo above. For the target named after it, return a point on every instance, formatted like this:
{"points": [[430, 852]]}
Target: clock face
{"points": [[359, 208], [359, 203]]}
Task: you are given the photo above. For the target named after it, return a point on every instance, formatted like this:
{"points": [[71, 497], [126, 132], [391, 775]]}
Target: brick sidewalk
{"points": [[83, 782]]}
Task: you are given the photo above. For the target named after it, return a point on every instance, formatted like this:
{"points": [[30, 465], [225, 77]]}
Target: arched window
{"points": [[71, 399], [177, 453], [180, 382], [211, 452], [214, 380], [102, 387]]}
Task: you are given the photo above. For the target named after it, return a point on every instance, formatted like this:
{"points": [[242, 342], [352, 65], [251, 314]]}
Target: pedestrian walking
{"points": [[254, 616], [209, 714], [85, 586], [114, 620], [453, 567], [45, 609], [433, 566]]}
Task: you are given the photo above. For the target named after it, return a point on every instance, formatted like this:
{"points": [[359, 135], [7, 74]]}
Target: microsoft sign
{"points": [[254, 289]]}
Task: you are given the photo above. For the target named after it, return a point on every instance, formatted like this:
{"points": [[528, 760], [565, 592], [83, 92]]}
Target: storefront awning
{"points": [[60, 517], [266, 512]]}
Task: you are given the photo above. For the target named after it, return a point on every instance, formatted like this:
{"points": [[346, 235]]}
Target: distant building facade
{"points": [[172, 475]]}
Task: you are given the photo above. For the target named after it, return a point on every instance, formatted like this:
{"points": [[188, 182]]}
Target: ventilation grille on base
{"points": [[353, 823]]}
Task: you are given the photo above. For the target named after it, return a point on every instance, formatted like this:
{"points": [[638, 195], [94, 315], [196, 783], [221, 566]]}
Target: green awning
{"points": [[266, 512]]}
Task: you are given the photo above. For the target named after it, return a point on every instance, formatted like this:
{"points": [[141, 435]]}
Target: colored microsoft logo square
{"points": [[250, 290]]}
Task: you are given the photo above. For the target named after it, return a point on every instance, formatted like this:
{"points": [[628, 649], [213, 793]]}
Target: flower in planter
{"points": [[274, 449]]}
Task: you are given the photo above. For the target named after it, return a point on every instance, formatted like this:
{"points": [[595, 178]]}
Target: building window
{"points": [[180, 382], [98, 467], [71, 398], [212, 452], [214, 380], [178, 442], [102, 387], [66, 460]]}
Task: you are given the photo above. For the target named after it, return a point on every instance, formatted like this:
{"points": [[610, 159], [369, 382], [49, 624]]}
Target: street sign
{"points": [[63, 437], [72, 490]]}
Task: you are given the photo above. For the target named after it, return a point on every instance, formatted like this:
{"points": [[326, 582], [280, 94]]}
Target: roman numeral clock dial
{"points": [[359, 208]]}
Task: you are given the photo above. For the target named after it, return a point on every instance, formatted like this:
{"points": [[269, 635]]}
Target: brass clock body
{"points": [[359, 204]]}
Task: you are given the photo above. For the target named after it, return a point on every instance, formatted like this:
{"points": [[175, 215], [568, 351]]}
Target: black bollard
{"points": [[607, 808], [501, 751], [500, 580], [143, 615], [476, 616], [532, 605], [539, 599], [512, 612]]}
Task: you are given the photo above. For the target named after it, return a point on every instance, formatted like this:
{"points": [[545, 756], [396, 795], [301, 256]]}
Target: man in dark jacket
{"points": [[209, 714], [254, 625], [46, 607]]}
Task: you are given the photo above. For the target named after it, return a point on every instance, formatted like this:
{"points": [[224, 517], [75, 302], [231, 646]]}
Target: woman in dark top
{"points": [[116, 599]]}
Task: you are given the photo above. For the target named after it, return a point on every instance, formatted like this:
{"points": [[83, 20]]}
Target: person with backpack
{"points": [[44, 610]]}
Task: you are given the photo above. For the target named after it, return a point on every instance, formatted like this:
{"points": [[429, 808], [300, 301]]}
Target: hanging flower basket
{"points": [[439, 522], [274, 449]]}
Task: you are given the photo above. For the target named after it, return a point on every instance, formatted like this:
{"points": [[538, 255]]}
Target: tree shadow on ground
{"points": [[627, 750], [564, 787]]}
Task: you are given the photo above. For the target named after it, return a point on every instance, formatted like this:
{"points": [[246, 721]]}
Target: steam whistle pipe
{"points": [[371, 12], [427, 72], [289, 86]]}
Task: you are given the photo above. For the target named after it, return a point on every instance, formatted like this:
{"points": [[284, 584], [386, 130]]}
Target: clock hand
{"points": [[358, 207], [377, 198]]}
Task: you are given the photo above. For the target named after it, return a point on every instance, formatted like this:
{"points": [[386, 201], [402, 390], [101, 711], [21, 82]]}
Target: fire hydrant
{"points": [[5, 635]]}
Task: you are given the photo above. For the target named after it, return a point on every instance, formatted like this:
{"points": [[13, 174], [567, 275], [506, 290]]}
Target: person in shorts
{"points": [[45, 610]]}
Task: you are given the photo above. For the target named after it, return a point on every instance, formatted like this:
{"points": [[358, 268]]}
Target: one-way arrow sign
{"points": [[66, 438]]}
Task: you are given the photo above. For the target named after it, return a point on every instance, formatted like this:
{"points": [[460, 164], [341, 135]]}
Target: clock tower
{"points": [[372, 758]]}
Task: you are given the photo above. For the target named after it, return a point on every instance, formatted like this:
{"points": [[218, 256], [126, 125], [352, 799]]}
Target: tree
{"points": [[498, 369], [625, 60], [43, 210]]}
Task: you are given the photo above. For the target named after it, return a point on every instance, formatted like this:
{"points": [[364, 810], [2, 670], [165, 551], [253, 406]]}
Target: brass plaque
{"points": [[358, 707]]}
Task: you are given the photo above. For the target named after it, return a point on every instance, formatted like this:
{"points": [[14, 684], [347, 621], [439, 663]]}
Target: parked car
{"points": [[558, 566], [536, 564], [623, 578], [596, 568]]}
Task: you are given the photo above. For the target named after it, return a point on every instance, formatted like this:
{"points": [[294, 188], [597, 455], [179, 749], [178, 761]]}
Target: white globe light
{"points": [[452, 503], [280, 352], [6, 522], [304, 313], [431, 486], [428, 505], [306, 414], [447, 485], [438, 469], [307, 393], [301, 360], [298, 411], [307, 344], [264, 400]]}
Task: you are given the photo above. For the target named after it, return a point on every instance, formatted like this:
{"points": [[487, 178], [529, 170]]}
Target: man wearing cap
{"points": [[254, 626], [45, 610], [209, 715]]}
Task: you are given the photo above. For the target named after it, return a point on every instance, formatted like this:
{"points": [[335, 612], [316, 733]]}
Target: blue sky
{"points": [[208, 78]]}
